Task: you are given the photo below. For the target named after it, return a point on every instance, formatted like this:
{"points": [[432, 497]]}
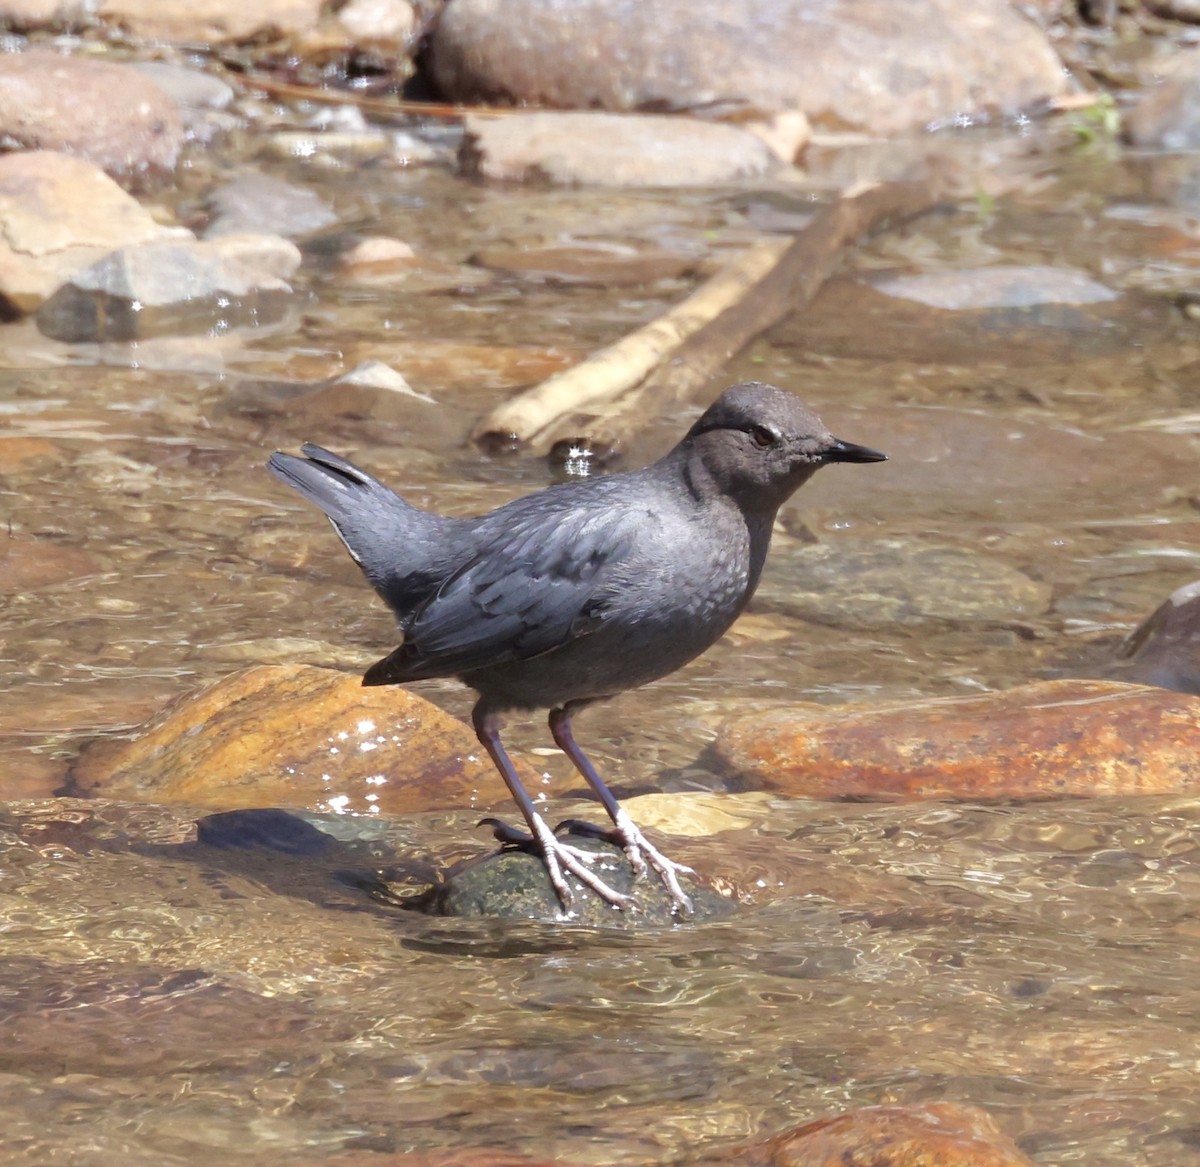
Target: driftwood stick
{"points": [[596, 386], [600, 402]]}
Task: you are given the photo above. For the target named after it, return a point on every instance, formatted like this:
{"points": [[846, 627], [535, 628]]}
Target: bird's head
{"points": [[759, 444]]}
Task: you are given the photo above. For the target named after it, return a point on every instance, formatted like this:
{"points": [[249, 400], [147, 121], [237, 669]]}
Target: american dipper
{"points": [[578, 592]]}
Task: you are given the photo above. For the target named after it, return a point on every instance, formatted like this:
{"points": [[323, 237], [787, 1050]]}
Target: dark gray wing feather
{"points": [[536, 586]]}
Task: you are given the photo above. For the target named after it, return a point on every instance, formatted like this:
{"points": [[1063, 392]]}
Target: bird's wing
{"points": [[535, 587]]}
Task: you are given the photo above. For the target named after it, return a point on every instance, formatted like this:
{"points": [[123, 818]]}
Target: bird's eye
{"points": [[762, 437]]}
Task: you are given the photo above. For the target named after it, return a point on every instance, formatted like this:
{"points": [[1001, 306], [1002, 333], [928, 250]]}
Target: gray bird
{"points": [[578, 592]]}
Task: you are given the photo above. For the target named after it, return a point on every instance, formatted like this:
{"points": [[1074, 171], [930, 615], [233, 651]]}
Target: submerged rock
{"points": [[513, 884], [603, 149], [252, 202], [27, 563], [1019, 315], [873, 583], [601, 263], [173, 286], [295, 735], [873, 65], [1050, 739], [1168, 117], [934, 1134]]}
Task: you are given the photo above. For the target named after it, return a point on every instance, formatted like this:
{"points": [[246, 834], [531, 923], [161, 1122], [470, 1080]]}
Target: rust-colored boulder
{"points": [[937, 1134], [296, 735], [1050, 739]]}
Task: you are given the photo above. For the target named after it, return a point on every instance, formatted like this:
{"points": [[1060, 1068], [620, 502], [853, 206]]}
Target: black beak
{"points": [[849, 452]]}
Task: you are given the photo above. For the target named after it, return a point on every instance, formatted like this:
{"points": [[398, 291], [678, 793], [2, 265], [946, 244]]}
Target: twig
{"points": [[599, 403]]}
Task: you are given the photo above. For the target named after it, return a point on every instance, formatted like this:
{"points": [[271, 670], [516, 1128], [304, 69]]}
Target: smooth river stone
{"points": [[299, 736], [873, 583], [1049, 739]]}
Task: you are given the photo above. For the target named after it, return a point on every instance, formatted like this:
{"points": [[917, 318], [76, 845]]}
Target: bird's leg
{"points": [[637, 847], [556, 855]]}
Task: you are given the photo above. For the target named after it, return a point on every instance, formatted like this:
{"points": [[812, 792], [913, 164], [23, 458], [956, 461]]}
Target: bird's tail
{"points": [[382, 532]]}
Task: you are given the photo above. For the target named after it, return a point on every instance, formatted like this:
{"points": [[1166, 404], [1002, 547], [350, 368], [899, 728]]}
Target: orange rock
{"points": [[26, 564], [938, 1134], [17, 450], [1050, 739], [295, 735]]}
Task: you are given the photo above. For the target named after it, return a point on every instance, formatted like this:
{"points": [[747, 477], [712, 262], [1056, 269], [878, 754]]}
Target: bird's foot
{"points": [[642, 854], [559, 857]]}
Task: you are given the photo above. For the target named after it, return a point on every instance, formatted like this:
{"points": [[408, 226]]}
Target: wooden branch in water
{"points": [[598, 386], [600, 402]]}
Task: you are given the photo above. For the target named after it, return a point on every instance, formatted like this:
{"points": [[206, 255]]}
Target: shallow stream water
{"points": [[1037, 960]]}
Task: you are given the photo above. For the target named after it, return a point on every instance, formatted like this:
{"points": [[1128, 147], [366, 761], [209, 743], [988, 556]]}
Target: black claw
{"points": [[509, 836], [585, 830]]}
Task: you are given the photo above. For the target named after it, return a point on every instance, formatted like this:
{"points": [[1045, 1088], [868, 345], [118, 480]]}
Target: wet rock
{"points": [[999, 286], [25, 774], [138, 1019], [254, 202], [935, 1134], [189, 88], [1049, 739], [968, 454], [371, 389], [173, 286], [607, 265], [383, 262], [376, 251], [601, 149], [786, 134], [294, 735], [200, 97], [872, 583], [108, 887], [513, 884], [1017, 315], [1164, 649], [52, 102], [390, 24], [204, 21], [59, 215], [26, 15], [1167, 118], [27, 563], [838, 62], [18, 451]]}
